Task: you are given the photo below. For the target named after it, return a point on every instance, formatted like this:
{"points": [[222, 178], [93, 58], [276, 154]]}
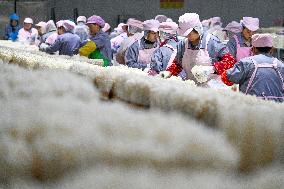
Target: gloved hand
{"points": [[43, 46], [201, 73], [87, 49], [165, 74]]}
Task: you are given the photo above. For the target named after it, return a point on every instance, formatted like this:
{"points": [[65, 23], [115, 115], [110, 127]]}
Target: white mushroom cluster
{"points": [[29, 56], [56, 132], [50, 128]]}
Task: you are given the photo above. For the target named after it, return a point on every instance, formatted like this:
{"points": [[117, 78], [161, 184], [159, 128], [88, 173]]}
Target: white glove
{"points": [[43, 46], [165, 74], [201, 73]]}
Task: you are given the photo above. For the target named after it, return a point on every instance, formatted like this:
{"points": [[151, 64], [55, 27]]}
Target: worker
{"points": [[98, 47], [166, 53], [139, 54], [134, 33], [261, 74], [240, 45], [12, 29], [28, 34], [81, 29], [198, 48], [67, 43]]}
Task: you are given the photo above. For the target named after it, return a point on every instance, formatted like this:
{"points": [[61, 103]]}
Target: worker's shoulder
{"points": [[68, 36], [134, 46], [248, 60], [260, 59], [232, 40]]}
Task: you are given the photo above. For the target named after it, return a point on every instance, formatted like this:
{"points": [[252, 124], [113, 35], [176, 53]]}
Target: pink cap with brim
{"points": [[188, 22], [96, 20], [234, 27], [106, 27], [82, 19], [135, 23], [59, 23], [151, 25], [262, 40], [50, 26], [251, 23], [168, 27], [28, 21], [41, 24], [69, 25], [122, 25]]}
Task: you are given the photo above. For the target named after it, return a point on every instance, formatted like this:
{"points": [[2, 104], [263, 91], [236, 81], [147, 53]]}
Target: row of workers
{"points": [[166, 48], [246, 59]]}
